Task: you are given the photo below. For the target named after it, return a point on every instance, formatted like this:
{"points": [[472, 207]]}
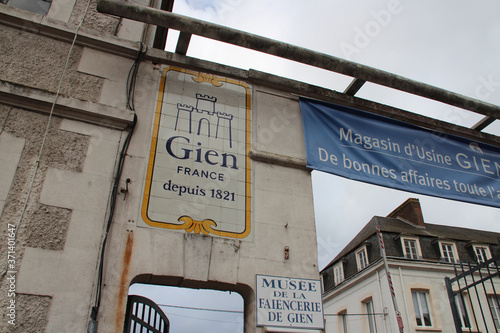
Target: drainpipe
{"points": [[405, 300], [383, 303]]}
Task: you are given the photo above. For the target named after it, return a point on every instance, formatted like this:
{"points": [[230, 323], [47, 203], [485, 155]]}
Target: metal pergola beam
{"points": [[295, 53], [183, 43], [354, 87], [483, 123], [160, 38]]}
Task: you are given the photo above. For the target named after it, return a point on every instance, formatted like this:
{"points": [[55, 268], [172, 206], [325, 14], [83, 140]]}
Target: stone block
{"points": [[146, 89], [76, 191], [64, 318], [90, 130], [104, 65], [102, 156], [275, 178], [11, 149], [167, 262], [224, 260], [56, 271], [114, 94], [61, 10], [90, 224], [197, 250], [278, 125]]}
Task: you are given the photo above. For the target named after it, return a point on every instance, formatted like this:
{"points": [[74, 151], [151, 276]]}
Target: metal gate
{"points": [[144, 316], [475, 303]]}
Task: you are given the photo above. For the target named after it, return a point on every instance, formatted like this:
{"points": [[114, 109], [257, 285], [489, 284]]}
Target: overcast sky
{"points": [[452, 44], [194, 311]]}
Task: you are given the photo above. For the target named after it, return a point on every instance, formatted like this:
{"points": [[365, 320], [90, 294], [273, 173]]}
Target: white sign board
{"points": [[289, 302], [198, 176]]}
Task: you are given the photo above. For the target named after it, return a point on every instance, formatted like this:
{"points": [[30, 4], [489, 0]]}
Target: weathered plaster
{"points": [[41, 67], [48, 228], [33, 310], [64, 151], [93, 20]]}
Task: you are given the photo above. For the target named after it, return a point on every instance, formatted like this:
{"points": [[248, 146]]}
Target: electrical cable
{"points": [[130, 93], [114, 194], [355, 314], [132, 78], [201, 309], [205, 319]]}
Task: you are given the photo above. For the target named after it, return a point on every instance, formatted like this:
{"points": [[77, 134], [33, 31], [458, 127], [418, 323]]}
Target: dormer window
{"points": [[448, 252], [411, 248], [362, 258], [338, 273], [482, 252]]}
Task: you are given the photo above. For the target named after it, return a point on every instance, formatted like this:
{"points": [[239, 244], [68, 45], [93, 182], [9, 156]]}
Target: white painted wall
{"points": [[405, 277]]}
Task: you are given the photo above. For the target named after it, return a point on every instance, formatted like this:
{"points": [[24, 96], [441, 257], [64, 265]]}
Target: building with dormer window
{"points": [[419, 255]]}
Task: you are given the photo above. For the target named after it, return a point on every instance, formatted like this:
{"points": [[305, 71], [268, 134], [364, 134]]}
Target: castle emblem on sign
{"points": [[205, 119]]}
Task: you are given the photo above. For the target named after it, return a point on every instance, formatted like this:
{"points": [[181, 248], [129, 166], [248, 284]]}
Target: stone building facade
{"points": [[419, 256], [65, 116]]}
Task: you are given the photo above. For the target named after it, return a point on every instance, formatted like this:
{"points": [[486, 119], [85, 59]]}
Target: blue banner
{"points": [[379, 150]]}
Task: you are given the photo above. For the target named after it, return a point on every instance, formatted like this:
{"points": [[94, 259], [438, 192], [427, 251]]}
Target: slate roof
{"points": [[401, 226]]}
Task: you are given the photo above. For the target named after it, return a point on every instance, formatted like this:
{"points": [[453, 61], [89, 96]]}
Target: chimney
{"points": [[409, 211]]}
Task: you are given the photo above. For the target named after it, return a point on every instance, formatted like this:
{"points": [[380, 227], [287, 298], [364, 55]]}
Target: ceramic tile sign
{"points": [[198, 176], [289, 302]]}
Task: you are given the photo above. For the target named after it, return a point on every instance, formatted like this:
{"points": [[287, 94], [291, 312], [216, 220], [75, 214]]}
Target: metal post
{"points": [[477, 295], [453, 304], [460, 291], [389, 280]]}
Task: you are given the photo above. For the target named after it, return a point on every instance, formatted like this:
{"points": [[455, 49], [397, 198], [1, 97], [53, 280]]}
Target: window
{"points": [[448, 252], [343, 321], [494, 303], [338, 273], [482, 253], [421, 306], [411, 248], [362, 258], [35, 6], [370, 314], [462, 311]]}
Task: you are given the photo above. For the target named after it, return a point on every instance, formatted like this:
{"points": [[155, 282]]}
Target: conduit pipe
{"points": [[291, 52]]}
